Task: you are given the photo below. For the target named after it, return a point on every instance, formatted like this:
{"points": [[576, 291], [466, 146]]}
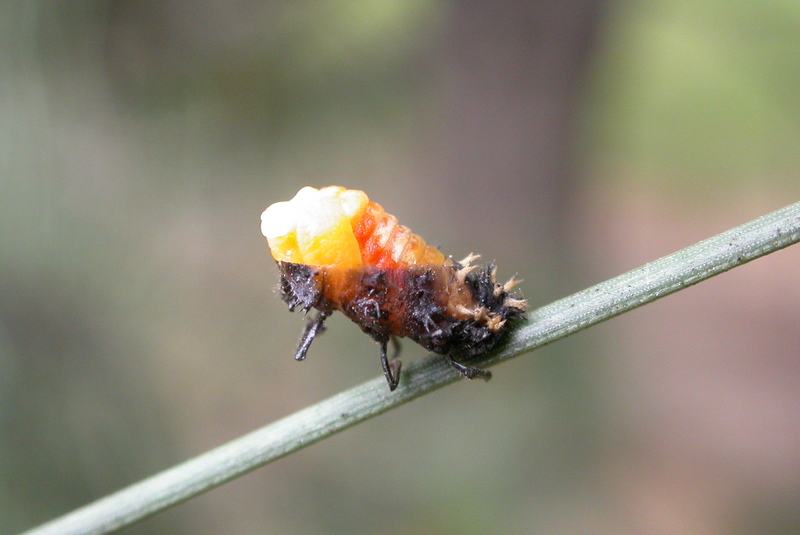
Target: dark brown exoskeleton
{"points": [[453, 309]]}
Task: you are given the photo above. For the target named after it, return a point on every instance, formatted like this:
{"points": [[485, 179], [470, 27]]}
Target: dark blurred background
{"points": [[569, 141]]}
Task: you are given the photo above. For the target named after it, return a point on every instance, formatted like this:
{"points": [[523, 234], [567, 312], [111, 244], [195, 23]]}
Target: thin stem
{"points": [[545, 325]]}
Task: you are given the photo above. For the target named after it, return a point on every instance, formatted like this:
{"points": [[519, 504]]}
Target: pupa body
{"points": [[337, 250]]}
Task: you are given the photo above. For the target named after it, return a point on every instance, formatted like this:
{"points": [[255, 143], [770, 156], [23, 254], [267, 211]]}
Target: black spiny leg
{"points": [[391, 367], [313, 328], [468, 372]]}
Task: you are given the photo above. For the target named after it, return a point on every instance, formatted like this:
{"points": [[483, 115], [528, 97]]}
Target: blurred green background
{"points": [[569, 141]]}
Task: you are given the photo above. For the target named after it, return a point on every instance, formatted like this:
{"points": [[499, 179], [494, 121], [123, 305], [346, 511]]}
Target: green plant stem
{"points": [[545, 325]]}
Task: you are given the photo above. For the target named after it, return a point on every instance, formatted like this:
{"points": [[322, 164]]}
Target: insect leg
{"points": [[313, 328], [467, 371], [391, 367]]}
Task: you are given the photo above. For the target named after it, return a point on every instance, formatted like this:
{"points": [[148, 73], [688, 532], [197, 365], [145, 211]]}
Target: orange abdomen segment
{"points": [[386, 243]]}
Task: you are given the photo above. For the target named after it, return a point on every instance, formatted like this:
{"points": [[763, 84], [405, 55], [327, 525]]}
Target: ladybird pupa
{"points": [[337, 250]]}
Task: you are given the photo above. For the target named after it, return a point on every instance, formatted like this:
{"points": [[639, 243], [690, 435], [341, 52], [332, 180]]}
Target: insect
{"points": [[337, 250]]}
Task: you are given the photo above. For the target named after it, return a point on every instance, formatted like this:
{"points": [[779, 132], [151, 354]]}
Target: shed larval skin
{"points": [[337, 250]]}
